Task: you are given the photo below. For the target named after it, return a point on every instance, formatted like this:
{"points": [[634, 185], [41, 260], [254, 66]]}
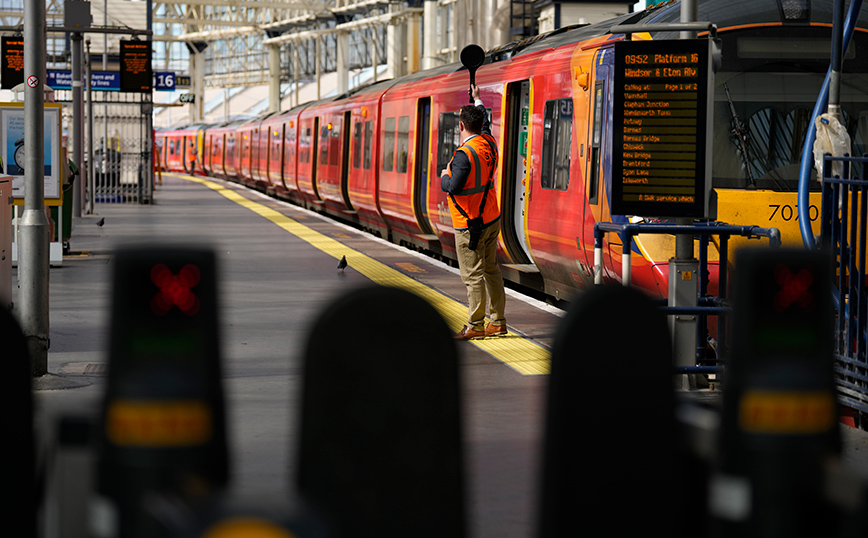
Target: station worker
{"points": [[469, 181]]}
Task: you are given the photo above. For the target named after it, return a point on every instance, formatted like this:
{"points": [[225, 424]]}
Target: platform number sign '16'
{"points": [[164, 81]]}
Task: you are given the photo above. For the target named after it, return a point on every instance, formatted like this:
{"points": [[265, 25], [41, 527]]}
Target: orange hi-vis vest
{"points": [[481, 151]]}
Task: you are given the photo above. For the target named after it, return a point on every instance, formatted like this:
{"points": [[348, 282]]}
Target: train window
{"points": [[593, 169], [369, 136], [389, 145], [304, 154], [357, 144], [557, 144], [448, 139], [275, 146], [324, 144], [403, 142], [335, 143]]}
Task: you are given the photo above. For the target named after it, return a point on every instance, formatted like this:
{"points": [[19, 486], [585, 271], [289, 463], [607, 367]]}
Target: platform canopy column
{"points": [[414, 48], [430, 56], [197, 78], [274, 78], [396, 46], [342, 61]]}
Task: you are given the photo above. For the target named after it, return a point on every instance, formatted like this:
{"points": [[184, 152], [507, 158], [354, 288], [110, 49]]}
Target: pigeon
{"points": [[100, 222], [342, 264]]}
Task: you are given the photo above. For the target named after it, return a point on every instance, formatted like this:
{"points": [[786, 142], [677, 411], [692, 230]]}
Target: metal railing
{"points": [[706, 305], [844, 234]]}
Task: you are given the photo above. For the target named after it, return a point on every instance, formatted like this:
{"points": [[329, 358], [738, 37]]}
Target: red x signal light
{"points": [[795, 288], [175, 290]]}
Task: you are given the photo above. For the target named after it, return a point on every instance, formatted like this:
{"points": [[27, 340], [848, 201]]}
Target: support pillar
{"points": [[274, 78], [33, 226], [414, 49], [431, 40], [342, 61], [396, 49], [77, 122]]}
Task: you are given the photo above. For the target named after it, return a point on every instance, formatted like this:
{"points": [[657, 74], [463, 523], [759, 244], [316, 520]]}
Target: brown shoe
{"points": [[495, 330], [469, 334]]}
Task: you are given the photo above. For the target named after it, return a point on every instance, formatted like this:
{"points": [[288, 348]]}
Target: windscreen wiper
{"points": [[740, 136]]}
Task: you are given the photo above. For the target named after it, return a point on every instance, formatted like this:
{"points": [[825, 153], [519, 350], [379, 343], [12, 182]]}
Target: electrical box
{"points": [[76, 14]]}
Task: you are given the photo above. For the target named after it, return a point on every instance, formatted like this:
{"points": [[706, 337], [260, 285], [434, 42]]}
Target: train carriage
{"points": [[182, 149], [362, 164], [551, 103], [247, 133], [310, 127], [329, 163], [289, 155], [407, 178], [220, 150]]}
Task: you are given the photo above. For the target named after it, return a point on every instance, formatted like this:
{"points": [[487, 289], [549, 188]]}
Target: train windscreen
{"points": [[764, 97]]}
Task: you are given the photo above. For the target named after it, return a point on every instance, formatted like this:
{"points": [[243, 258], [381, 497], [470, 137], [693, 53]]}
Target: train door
{"points": [[221, 160], [278, 148], [345, 159], [420, 197], [514, 196], [256, 155], [189, 154], [598, 176], [314, 163]]}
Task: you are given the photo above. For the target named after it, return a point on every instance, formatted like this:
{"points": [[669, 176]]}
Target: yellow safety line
{"points": [[524, 356]]}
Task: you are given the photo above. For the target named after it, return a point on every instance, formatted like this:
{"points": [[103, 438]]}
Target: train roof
{"points": [[734, 13], [724, 14]]}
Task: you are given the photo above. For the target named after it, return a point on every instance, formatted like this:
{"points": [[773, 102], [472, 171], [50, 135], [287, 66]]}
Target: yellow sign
{"points": [[247, 528], [787, 412], [159, 423]]}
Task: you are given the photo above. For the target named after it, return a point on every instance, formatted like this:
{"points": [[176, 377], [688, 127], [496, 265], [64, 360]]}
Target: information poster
{"points": [[661, 125], [12, 150], [136, 73]]}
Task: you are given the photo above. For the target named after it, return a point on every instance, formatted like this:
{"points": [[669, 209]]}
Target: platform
{"points": [[278, 268]]}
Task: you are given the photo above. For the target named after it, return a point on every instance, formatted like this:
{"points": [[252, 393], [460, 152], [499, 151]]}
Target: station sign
{"points": [[661, 123], [136, 72], [188, 98], [100, 80], [12, 69], [164, 81], [183, 81]]}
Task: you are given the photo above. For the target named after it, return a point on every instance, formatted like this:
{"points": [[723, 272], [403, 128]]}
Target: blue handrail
{"points": [[807, 151]]}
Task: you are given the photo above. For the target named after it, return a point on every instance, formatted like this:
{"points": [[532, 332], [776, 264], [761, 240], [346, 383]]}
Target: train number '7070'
{"points": [[788, 212]]}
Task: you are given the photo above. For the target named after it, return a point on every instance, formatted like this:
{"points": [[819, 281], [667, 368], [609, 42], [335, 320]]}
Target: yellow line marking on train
{"points": [[522, 355]]}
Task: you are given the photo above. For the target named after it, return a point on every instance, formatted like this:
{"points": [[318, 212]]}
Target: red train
{"points": [[373, 156]]}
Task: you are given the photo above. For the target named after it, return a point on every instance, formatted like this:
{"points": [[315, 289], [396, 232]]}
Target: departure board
{"points": [[12, 71], [136, 73], [661, 125]]}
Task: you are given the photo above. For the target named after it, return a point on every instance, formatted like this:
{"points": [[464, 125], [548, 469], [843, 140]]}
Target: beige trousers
{"points": [[481, 275]]}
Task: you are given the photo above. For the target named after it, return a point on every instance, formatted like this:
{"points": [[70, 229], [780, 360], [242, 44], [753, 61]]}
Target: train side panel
{"points": [[363, 163], [329, 159], [405, 178], [290, 153]]}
